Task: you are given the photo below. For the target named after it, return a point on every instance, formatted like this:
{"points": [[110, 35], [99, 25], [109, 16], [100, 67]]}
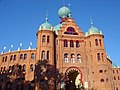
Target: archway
{"points": [[73, 77]]}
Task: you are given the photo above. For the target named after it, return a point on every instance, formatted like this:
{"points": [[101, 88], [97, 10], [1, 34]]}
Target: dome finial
{"points": [[91, 23], [63, 2], [46, 16]]}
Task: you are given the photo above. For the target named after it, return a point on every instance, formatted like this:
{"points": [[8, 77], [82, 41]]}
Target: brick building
{"points": [[80, 57]]}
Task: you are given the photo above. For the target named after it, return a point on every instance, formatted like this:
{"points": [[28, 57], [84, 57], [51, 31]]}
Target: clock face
{"points": [[70, 30]]}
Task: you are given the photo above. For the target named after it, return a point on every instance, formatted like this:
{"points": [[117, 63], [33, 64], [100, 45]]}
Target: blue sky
{"points": [[20, 20]]}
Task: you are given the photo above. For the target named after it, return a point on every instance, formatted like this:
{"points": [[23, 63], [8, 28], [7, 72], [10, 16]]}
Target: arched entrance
{"points": [[73, 77]]}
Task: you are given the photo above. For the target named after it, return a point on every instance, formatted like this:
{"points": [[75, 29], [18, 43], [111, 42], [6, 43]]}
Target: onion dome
{"points": [[45, 26], [63, 12], [93, 30]]}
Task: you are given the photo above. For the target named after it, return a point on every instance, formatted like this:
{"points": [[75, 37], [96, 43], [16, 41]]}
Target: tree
{"points": [[46, 75]]}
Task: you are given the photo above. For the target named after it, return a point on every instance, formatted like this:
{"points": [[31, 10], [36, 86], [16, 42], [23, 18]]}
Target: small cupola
{"points": [[46, 26], [93, 30]]}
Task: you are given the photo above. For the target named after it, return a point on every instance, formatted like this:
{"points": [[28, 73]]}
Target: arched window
{"points": [[11, 57], [32, 56], [43, 55], [6, 59], [96, 42], [100, 42], [71, 43], [72, 60], [90, 43], [24, 67], [77, 44], [66, 58], [102, 57], [48, 39], [10, 69], [101, 71], [102, 80], [3, 59], [118, 78], [47, 55], [78, 58], [1, 69], [31, 67], [70, 30], [13, 67], [21, 56], [114, 78], [14, 57], [65, 43], [43, 38], [25, 56], [98, 56], [20, 68], [4, 69]]}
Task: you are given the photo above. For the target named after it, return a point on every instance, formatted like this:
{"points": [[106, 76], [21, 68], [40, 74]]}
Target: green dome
{"points": [[57, 27], [94, 30], [45, 26], [63, 12]]}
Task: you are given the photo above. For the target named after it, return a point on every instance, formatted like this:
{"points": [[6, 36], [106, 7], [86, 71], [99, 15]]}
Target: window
{"points": [[96, 42], [98, 56], [118, 78], [102, 80], [24, 67], [90, 43], [47, 55], [43, 55], [13, 67], [3, 59], [65, 43], [107, 80], [4, 69], [114, 78], [32, 55], [31, 67], [14, 57], [25, 56], [1, 69], [100, 42], [101, 71], [72, 58], [6, 59], [21, 56], [11, 57], [10, 69], [43, 38], [48, 39], [77, 44], [20, 68], [71, 30], [71, 43], [117, 71], [113, 71], [102, 57], [78, 58], [66, 58]]}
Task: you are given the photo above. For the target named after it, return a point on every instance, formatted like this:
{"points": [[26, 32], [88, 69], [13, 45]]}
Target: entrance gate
{"points": [[73, 77]]}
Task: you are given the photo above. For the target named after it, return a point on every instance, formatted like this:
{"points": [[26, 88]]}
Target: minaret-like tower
{"points": [[46, 43], [98, 64]]}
